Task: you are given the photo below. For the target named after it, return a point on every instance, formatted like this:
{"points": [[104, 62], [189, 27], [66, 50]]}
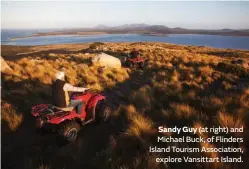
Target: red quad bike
{"points": [[68, 123], [134, 61]]}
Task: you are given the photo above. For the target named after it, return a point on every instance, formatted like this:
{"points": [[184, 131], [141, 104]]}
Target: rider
{"points": [[60, 94], [134, 54]]}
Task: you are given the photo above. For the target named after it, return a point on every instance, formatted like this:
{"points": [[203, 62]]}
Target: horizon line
{"points": [[94, 27]]}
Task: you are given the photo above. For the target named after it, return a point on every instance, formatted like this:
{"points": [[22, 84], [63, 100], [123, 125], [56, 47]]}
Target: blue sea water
{"points": [[234, 42]]}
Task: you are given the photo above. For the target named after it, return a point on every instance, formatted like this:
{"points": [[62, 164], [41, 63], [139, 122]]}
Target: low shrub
{"points": [[95, 45]]}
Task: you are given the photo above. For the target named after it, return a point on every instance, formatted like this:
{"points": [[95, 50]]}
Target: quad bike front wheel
{"points": [[69, 131], [102, 111]]}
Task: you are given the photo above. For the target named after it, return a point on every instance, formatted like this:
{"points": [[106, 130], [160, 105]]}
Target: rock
{"points": [[106, 61]]}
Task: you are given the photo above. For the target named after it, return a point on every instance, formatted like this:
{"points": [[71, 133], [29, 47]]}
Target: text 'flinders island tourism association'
{"points": [[203, 144]]}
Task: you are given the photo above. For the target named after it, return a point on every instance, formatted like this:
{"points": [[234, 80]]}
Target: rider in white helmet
{"points": [[60, 93]]}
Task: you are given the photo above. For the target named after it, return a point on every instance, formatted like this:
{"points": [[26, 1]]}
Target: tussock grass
{"points": [[10, 116], [230, 121], [212, 103], [244, 98], [143, 98], [139, 125], [183, 111]]}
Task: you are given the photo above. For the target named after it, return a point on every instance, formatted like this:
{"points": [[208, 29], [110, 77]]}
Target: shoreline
{"points": [[59, 34], [83, 33]]}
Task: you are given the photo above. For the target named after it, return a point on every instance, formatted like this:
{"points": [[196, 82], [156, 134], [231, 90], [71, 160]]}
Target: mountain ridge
{"points": [[142, 25]]}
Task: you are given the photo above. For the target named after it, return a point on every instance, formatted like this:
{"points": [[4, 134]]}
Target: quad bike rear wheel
{"points": [[102, 111], [69, 131]]}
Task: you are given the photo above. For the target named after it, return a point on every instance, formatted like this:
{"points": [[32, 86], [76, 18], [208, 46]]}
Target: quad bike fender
{"points": [[92, 105], [66, 116], [136, 60], [140, 60], [36, 110]]}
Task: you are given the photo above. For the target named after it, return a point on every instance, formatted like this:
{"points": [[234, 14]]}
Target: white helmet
{"points": [[60, 75]]}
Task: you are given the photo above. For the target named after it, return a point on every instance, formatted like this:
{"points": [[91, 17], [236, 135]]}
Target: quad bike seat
{"points": [[50, 109], [71, 106]]}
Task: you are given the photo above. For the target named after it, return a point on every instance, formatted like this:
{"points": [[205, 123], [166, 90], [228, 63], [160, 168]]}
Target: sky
{"points": [[61, 14]]}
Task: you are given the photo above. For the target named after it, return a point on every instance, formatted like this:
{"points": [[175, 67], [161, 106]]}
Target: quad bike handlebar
{"points": [[92, 91]]}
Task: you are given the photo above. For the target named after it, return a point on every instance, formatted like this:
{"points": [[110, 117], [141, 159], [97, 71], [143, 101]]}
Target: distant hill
{"points": [[132, 26], [162, 29], [154, 30], [101, 26]]}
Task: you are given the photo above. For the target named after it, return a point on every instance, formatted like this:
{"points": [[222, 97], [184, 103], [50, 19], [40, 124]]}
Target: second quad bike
{"points": [[68, 123], [133, 60]]}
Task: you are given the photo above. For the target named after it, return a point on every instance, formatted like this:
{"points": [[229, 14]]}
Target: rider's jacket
{"points": [[60, 97]]}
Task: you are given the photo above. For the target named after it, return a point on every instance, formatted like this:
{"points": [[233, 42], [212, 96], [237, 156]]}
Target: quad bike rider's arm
{"points": [[70, 88]]}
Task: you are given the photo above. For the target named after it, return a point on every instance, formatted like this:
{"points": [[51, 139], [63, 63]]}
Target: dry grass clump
{"points": [[175, 76], [230, 121], [169, 65], [161, 76], [183, 111], [139, 125], [244, 98], [10, 117], [130, 109], [227, 85], [212, 103], [187, 75], [205, 70], [143, 98], [31, 69]]}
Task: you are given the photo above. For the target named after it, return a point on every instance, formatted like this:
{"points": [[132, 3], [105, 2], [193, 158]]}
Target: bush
{"points": [[95, 45]]}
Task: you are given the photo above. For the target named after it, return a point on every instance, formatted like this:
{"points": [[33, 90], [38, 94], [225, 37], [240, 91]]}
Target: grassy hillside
{"points": [[179, 86]]}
